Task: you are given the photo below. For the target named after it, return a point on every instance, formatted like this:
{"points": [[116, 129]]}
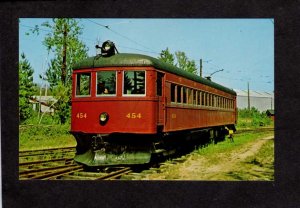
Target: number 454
{"points": [[81, 115], [134, 115]]}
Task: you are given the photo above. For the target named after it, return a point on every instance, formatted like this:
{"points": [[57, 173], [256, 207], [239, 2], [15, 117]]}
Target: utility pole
{"points": [[46, 90], [271, 103], [64, 56], [248, 97], [40, 106], [200, 68]]}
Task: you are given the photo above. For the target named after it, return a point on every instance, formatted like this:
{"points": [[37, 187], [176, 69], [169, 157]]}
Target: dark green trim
{"points": [[127, 59], [98, 158]]}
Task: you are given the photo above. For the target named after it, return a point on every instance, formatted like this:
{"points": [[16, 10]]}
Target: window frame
{"points": [[134, 95], [90, 83], [106, 95]]}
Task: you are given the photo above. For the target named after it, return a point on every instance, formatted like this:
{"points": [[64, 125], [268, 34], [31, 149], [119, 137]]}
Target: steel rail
{"points": [[45, 150], [45, 161], [55, 174], [43, 153], [28, 172], [240, 131], [115, 174]]}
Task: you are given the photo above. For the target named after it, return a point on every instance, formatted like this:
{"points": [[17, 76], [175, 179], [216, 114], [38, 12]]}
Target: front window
{"points": [[134, 83], [106, 83], [83, 84]]}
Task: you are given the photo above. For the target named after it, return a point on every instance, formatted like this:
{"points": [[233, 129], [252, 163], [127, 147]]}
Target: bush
{"points": [[252, 118], [47, 119]]}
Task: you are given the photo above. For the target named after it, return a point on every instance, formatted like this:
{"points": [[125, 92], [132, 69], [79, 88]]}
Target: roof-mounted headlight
{"points": [[108, 48]]}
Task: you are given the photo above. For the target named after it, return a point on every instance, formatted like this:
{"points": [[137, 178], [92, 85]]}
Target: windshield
{"points": [[106, 82]]}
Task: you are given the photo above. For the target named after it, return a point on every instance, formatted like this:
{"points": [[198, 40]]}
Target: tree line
{"points": [[63, 42]]}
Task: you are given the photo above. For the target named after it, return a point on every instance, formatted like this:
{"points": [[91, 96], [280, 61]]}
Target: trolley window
{"points": [[195, 97], [173, 87], [159, 83], [179, 89], [134, 83], [199, 98], [203, 98], [83, 84], [106, 83], [190, 96], [184, 94]]}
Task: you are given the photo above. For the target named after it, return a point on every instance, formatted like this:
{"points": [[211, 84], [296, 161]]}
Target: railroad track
{"points": [[38, 152], [111, 173], [35, 164], [264, 129], [72, 172], [46, 154], [61, 165]]}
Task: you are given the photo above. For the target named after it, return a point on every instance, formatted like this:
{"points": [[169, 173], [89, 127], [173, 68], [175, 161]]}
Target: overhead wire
{"points": [[151, 51], [81, 37], [117, 33], [94, 41]]}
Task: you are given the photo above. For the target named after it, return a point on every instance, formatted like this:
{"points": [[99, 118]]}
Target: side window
{"points": [[106, 83], [134, 83], [83, 84], [208, 99], [203, 98], [159, 82], [173, 86], [184, 94], [199, 98], [190, 96], [179, 89]]}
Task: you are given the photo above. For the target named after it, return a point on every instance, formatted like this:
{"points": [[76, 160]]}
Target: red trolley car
{"points": [[124, 106]]}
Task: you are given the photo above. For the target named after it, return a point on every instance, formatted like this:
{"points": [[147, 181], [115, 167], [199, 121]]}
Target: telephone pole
{"points": [[64, 56], [248, 97], [200, 68]]}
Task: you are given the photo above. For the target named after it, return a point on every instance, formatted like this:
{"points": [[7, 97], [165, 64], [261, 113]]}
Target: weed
{"points": [[253, 118], [45, 136]]}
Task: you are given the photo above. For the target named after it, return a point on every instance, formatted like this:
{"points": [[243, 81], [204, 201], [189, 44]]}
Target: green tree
{"points": [[26, 88], [63, 41], [182, 60], [184, 63], [166, 56], [62, 107]]}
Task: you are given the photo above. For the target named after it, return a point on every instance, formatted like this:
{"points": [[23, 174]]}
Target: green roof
{"points": [[128, 59]]}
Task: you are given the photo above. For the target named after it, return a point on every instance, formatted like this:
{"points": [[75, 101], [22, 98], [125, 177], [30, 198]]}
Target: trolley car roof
{"points": [[128, 59]]}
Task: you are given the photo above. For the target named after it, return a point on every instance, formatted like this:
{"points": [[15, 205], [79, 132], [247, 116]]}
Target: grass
{"points": [[261, 165], [203, 163], [253, 118], [226, 145], [45, 136]]}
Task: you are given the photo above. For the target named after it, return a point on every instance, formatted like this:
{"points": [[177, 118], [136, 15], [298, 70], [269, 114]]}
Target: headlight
{"points": [[107, 46], [108, 49], [103, 118]]}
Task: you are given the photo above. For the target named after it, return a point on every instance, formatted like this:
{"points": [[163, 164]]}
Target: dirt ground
{"points": [[244, 163]]}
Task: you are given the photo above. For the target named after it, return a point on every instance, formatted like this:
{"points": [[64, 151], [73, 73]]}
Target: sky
{"points": [[243, 48]]}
